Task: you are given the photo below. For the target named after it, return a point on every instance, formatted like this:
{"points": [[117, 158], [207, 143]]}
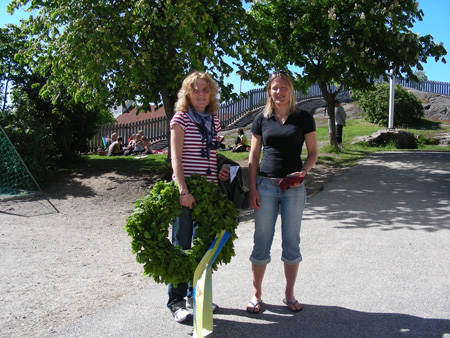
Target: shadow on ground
{"points": [[408, 193], [328, 321]]}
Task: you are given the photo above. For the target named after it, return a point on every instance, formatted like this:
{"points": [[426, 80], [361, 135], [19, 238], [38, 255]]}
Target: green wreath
{"points": [[148, 227]]}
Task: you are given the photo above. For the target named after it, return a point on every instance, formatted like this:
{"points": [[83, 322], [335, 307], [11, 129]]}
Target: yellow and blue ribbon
{"points": [[203, 316]]}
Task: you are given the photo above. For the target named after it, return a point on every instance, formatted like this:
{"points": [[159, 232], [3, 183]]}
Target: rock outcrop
{"points": [[436, 106], [402, 139]]}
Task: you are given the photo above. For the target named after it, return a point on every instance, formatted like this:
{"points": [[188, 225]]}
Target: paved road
{"points": [[376, 255]]}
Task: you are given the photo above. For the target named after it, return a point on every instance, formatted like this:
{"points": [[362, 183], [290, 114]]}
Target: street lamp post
{"points": [[240, 83], [391, 98], [240, 90]]}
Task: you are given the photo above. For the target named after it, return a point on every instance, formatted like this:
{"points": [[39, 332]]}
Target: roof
{"points": [[130, 115]]}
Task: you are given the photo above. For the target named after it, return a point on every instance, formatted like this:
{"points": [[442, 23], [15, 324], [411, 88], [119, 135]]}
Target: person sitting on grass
{"points": [[111, 140], [241, 142], [135, 146], [221, 145], [138, 147], [148, 149], [116, 147]]}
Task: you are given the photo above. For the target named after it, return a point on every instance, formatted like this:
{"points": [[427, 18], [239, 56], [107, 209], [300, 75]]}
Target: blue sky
{"points": [[436, 15]]}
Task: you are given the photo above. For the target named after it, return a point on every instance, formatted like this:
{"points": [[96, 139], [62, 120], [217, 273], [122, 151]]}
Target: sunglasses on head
{"points": [[278, 73]]}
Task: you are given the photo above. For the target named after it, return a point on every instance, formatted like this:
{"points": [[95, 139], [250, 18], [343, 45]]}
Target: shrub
{"points": [[408, 110], [47, 133]]}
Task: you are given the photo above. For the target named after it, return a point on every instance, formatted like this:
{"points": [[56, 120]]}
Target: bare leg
{"points": [[290, 272], [257, 275]]}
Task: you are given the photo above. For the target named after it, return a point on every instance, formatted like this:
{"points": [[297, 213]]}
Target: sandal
{"points": [[254, 308], [293, 304]]}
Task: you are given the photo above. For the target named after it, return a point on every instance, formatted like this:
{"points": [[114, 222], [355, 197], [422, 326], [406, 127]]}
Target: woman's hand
{"points": [[224, 174], [301, 173], [254, 199], [187, 201]]}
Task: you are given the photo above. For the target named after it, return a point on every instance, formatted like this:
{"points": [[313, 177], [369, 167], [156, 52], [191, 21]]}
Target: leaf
{"points": [[163, 261]]}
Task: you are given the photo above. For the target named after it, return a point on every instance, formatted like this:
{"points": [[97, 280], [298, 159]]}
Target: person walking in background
{"points": [[193, 140], [339, 116], [275, 183]]}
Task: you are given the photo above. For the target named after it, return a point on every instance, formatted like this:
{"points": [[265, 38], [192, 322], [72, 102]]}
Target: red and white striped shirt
{"points": [[191, 159]]}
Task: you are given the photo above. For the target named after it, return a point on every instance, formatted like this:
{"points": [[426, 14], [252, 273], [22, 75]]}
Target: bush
{"points": [[48, 133], [32, 139], [408, 110]]}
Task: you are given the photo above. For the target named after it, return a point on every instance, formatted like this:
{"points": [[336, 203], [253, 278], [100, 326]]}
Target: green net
{"points": [[16, 180]]}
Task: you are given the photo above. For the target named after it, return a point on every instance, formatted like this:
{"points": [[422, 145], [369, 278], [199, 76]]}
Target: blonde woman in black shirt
{"points": [[276, 185]]}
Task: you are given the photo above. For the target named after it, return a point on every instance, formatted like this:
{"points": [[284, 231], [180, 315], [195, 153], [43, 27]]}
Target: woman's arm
{"points": [[311, 147], [311, 158], [176, 145], [253, 164]]}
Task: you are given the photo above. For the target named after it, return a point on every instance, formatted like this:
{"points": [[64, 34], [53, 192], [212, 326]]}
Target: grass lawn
{"points": [[350, 154], [152, 164]]}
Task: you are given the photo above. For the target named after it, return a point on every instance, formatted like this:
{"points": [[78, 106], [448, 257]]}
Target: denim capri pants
{"points": [[290, 204]]}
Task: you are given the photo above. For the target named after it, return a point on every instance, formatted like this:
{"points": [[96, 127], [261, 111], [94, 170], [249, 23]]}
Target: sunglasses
{"points": [[278, 73]]}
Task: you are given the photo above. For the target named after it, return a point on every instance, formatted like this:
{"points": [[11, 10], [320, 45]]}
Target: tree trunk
{"points": [[329, 99], [168, 102]]}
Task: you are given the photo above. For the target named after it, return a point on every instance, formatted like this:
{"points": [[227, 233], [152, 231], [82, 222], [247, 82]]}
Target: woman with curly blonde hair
{"points": [[189, 82], [193, 139]]}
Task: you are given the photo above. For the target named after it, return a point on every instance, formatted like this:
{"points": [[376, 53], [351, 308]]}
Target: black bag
{"points": [[235, 191]]}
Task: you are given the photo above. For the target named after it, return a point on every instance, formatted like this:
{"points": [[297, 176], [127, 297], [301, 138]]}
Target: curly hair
{"points": [[270, 105], [184, 101]]}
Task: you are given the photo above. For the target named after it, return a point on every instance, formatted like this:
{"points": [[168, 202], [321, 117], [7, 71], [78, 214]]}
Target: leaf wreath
{"points": [[148, 227]]}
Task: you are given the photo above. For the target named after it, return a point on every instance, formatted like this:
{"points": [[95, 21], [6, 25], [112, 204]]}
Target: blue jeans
{"points": [[290, 203], [182, 234]]}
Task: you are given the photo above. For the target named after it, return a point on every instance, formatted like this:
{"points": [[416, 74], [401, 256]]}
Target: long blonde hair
{"points": [[270, 105], [184, 101]]}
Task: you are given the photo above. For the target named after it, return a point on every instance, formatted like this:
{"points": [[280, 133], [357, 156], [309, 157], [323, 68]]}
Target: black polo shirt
{"points": [[282, 142]]}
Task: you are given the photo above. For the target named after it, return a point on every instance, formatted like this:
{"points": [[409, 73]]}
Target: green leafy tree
{"points": [[344, 43], [421, 76], [408, 110], [43, 130], [69, 124], [12, 40], [31, 137], [112, 51]]}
